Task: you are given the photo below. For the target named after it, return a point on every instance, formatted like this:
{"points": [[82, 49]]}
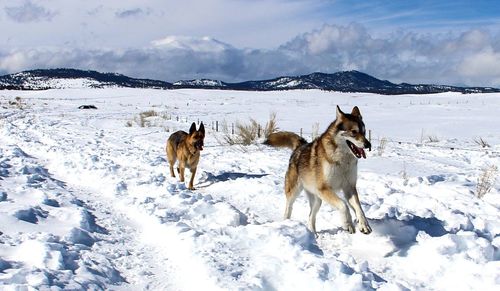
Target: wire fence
{"points": [[232, 129]]}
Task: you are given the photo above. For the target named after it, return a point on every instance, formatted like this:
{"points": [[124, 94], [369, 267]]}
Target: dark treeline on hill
{"points": [[348, 81], [39, 79]]}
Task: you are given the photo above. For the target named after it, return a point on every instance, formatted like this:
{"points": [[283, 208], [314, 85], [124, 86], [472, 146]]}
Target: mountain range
{"points": [[346, 81]]}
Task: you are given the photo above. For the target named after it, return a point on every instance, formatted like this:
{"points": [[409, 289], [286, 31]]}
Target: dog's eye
{"points": [[354, 132]]}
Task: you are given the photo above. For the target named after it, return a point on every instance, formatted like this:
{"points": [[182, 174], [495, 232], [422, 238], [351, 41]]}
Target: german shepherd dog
{"points": [[185, 147], [325, 166]]}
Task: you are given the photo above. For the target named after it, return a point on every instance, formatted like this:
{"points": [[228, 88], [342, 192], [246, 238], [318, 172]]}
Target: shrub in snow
{"points": [[486, 180]]}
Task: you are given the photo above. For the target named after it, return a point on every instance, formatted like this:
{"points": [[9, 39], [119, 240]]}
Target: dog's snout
{"points": [[368, 145], [199, 144]]}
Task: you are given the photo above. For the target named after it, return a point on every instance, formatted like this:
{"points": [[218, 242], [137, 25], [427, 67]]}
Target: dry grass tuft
{"points": [[486, 180], [142, 120], [248, 133], [481, 142], [381, 146]]}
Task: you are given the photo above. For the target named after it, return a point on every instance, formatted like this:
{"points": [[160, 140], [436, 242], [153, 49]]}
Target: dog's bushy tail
{"points": [[284, 139]]}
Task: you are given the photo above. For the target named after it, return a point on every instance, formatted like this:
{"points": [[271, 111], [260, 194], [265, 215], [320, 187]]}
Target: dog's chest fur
{"points": [[341, 170], [189, 156]]}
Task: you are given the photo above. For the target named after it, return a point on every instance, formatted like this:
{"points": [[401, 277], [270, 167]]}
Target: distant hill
{"points": [[351, 81], [348, 81], [71, 78], [201, 84]]}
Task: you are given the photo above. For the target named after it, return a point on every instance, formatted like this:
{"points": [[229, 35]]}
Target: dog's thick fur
{"points": [[325, 166], [185, 147]]}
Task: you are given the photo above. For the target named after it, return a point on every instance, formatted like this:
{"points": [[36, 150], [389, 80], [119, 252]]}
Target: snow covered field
{"points": [[86, 201]]}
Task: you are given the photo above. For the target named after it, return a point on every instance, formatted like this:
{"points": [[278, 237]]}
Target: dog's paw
{"points": [[350, 228], [365, 228]]}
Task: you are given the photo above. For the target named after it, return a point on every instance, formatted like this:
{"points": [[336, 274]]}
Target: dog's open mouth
{"points": [[198, 145], [358, 152]]}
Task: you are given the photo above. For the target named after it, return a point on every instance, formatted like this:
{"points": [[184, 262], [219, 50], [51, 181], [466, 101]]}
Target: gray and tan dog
{"points": [[325, 166], [185, 148]]}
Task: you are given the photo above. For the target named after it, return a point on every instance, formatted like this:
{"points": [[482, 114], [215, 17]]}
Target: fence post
{"points": [[301, 132], [232, 128], [258, 131], [370, 135], [216, 126]]}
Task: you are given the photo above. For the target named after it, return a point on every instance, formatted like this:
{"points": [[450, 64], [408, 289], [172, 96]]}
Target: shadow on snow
{"points": [[210, 178]]}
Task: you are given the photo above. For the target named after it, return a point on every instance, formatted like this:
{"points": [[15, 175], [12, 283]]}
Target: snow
{"points": [[198, 44], [285, 82], [86, 201], [35, 82], [199, 82]]}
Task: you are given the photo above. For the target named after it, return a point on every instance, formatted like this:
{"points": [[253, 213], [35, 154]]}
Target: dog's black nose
{"points": [[368, 145], [199, 145]]}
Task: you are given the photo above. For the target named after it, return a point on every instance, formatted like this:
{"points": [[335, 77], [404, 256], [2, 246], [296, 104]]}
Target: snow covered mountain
{"points": [[203, 44], [347, 81], [351, 81], [72, 78], [200, 83]]}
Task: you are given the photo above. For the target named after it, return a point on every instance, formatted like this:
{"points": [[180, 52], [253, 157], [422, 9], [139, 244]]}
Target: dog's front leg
{"points": [[327, 194], [181, 170], [193, 172], [315, 204], [353, 199]]}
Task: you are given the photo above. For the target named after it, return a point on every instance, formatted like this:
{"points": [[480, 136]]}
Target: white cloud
{"points": [[29, 12], [471, 58], [134, 23], [399, 57], [136, 12], [481, 66], [332, 38], [14, 61]]}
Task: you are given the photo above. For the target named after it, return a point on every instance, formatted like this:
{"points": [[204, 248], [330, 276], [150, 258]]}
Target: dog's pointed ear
{"points": [[356, 112], [202, 128], [192, 129], [339, 112]]}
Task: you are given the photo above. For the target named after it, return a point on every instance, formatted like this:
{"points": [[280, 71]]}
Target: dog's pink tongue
{"points": [[362, 152]]}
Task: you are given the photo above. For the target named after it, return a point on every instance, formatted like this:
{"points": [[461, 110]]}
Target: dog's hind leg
{"points": [[292, 190], [171, 157], [353, 199], [181, 168], [314, 204]]}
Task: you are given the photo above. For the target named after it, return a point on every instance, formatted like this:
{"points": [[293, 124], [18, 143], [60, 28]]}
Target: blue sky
{"points": [[447, 42], [422, 16]]}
